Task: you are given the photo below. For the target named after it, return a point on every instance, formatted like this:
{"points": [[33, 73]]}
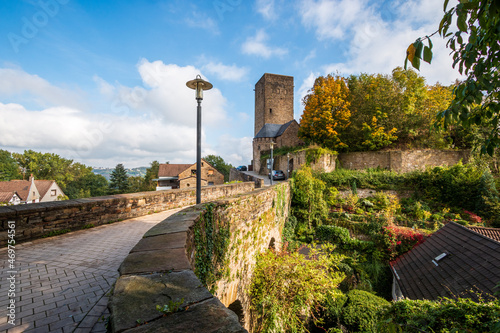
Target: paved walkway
{"points": [[62, 282]]}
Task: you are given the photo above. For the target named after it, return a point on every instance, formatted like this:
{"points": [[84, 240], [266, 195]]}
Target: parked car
{"points": [[277, 175], [241, 168]]}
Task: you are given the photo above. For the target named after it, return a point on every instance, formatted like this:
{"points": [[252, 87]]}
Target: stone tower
{"points": [[273, 100]]}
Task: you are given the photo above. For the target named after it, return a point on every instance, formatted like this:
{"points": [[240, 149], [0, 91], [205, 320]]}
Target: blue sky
{"points": [[103, 82]]}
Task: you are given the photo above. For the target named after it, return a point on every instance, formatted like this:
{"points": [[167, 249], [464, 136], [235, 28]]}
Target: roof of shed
{"points": [[471, 265]]}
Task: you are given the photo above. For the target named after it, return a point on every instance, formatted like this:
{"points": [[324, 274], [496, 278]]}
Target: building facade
{"points": [[173, 176]]}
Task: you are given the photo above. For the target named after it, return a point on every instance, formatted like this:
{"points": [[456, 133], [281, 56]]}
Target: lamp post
{"points": [[198, 85], [272, 162], [287, 165]]}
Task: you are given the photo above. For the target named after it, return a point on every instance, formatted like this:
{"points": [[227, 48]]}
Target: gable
{"points": [[471, 262]]}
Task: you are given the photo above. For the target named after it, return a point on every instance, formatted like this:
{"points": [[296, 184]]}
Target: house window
{"points": [[193, 172], [34, 194], [202, 164], [53, 193], [188, 185], [210, 172], [210, 183]]}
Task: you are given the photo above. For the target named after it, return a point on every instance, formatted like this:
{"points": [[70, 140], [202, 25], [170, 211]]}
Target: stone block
{"points": [[178, 223], [155, 261], [209, 316], [135, 297], [161, 242]]}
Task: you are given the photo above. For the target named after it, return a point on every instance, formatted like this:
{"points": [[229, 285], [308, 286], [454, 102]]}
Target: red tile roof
{"points": [[172, 170], [43, 186], [22, 187], [6, 196], [493, 233], [471, 263]]}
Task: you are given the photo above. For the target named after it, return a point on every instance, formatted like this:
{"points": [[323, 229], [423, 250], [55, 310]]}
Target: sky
{"points": [[103, 82]]}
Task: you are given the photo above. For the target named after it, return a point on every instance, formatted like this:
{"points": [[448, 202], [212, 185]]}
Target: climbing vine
{"points": [[211, 239], [313, 154]]}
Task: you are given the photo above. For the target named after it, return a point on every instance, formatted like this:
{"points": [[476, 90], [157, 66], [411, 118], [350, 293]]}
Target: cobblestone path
{"points": [[62, 282]]}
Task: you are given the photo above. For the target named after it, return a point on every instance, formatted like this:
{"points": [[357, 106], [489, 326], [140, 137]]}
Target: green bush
{"points": [[286, 286], [340, 237], [362, 310], [308, 202], [447, 315]]}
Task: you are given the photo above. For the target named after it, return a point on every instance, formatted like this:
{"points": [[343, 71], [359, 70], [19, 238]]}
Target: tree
{"points": [[119, 180], [219, 164], [89, 185], [9, 169], [326, 113], [151, 173], [475, 47]]}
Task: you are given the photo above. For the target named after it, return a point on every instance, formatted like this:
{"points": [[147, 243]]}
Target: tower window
{"points": [[270, 110]]}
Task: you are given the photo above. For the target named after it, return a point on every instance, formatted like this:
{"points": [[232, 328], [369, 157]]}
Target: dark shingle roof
{"points": [[273, 130], [493, 233], [472, 263]]}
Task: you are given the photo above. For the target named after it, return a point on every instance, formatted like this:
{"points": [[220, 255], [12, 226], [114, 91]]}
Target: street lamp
{"points": [[287, 165], [198, 85], [272, 162]]}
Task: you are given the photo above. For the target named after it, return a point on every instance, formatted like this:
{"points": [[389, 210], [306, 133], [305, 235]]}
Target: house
{"points": [[453, 262], [49, 190], [172, 176], [9, 198], [493, 233], [25, 189], [274, 120]]}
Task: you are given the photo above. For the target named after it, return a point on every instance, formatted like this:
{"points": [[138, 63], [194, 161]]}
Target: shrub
{"points": [[308, 203], [446, 315], [362, 311], [340, 237], [395, 241], [285, 286]]}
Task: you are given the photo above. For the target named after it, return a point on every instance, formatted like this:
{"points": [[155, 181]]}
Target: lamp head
{"points": [[199, 85]]}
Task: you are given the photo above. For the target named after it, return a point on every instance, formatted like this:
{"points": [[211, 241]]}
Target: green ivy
{"points": [[211, 239]]}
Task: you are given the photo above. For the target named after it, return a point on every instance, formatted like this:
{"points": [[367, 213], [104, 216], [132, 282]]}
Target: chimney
{"points": [[32, 178]]}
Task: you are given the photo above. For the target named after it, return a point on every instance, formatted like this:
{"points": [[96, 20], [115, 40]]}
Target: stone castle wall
{"points": [[402, 161], [42, 219]]}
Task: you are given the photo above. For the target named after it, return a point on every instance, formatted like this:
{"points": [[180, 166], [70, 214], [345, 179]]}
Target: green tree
{"points": [[218, 163], [151, 173], [89, 185], [119, 180], [9, 169], [475, 48], [135, 184]]}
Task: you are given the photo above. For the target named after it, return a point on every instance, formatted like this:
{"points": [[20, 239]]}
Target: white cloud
{"points": [[225, 72], [266, 8], [17, 84], [256, 45], [332, 19], [376, 41], [236, 151], [200, 20]]}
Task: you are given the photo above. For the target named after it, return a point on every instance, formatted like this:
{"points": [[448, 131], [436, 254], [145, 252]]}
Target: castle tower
{"points": [[273, 100]]}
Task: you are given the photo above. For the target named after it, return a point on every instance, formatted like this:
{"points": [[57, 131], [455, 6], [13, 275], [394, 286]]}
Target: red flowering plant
{"points": [[395, 241], [473, 218]]}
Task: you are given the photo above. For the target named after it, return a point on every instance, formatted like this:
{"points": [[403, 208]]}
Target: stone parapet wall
{"points": [[325, 163], [42, 219], [235, 175], [402, 161], [161, 267]]}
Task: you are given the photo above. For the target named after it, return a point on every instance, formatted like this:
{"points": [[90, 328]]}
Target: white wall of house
{"points": [[53, 193]]}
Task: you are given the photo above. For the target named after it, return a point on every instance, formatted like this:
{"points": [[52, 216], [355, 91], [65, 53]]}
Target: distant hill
{"points": [[106, 172]]}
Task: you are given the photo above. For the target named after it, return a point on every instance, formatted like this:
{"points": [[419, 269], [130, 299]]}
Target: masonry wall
{"points": [[161, 267], [402, 161], [40, 219], [235, 175], [325, 163]]}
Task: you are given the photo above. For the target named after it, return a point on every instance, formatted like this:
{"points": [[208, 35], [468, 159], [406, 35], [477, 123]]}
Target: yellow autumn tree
{"points": [[326, 112]]}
